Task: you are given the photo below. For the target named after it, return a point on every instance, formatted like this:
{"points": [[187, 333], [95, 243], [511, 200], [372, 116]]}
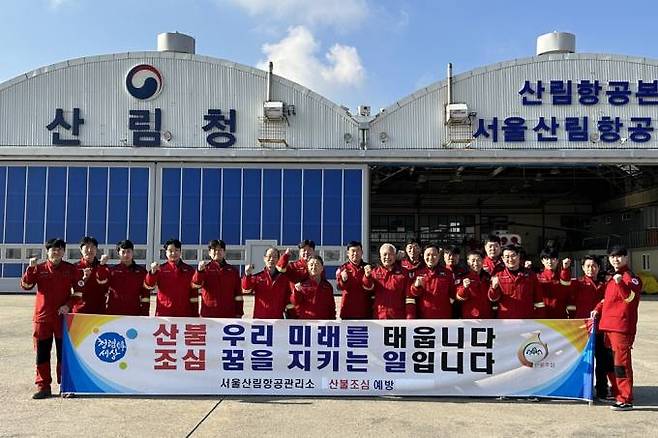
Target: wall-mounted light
{"points": [[383, 137], [347, 137]]}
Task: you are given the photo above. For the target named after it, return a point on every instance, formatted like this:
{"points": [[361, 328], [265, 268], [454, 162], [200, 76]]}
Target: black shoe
{"points": [[42, 393], [622, 406]]}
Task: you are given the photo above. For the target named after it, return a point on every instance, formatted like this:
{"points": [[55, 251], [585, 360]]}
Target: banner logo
{"points": [[532, 351], [144, 82]]}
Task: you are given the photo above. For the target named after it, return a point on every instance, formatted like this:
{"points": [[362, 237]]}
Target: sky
{"points": [[354, 52]]}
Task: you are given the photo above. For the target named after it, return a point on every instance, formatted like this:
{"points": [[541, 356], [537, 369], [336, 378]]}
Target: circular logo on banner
{"points": [[110, 347], [144, 82], [532, 351]]}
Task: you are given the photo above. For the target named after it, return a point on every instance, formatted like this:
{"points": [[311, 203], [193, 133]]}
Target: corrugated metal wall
{"points": [[191, 85], [417, 122]]}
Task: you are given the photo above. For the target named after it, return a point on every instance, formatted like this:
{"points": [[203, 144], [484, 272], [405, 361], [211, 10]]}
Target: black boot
{"points": [[42, 393]]}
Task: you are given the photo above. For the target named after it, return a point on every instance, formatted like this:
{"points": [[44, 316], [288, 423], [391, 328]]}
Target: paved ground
{"points": [[292, 417]]}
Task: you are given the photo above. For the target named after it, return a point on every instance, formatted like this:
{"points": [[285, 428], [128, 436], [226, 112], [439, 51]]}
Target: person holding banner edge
{"points": [[617, 315], [55, 280]]}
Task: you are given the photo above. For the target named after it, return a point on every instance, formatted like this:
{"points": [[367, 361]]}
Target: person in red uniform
{"points": [[313, 298], [356, 303], [451, 261], [586, 292], [55, 280], [221, 292], [433, 289], [126, 292], [298, 270], [516, 288], [173, 278], [473, 289], [390, 284], [412, 260], [270, 288], [555, 280], [493, 261], [91, 298], [618, 322]]}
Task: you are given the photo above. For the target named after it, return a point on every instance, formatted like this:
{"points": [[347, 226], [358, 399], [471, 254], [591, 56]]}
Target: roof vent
{"points": [[556, 42], [175, 42]]}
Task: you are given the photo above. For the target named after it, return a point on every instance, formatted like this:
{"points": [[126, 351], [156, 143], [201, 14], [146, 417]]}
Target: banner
{"points": [[145, 355]]}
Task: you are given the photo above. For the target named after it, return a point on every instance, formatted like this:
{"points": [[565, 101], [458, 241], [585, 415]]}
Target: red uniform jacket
{"points": [[584, 295], [221, 293], [356, 302], [556, 292], [176, 296], [271, 292], [391, 289], [411, 267], [126, 292], [434, 300], [458, 271], [91, 297], [313, 300], [54, 285], [519, 295], [475, 299], [296, 271], [619, 307], [493, 266]]}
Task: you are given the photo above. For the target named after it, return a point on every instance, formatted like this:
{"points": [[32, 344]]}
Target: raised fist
{"points": [[420, 281], [566, 263], [155, 266], [466, 282], [495, 282], [528, 264], [367, 270], [104, 259], [617, 278], [249, 269], [298, 287], [202, 265], [33, 262], [343, 275], [287, 251], [86, 273]]}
